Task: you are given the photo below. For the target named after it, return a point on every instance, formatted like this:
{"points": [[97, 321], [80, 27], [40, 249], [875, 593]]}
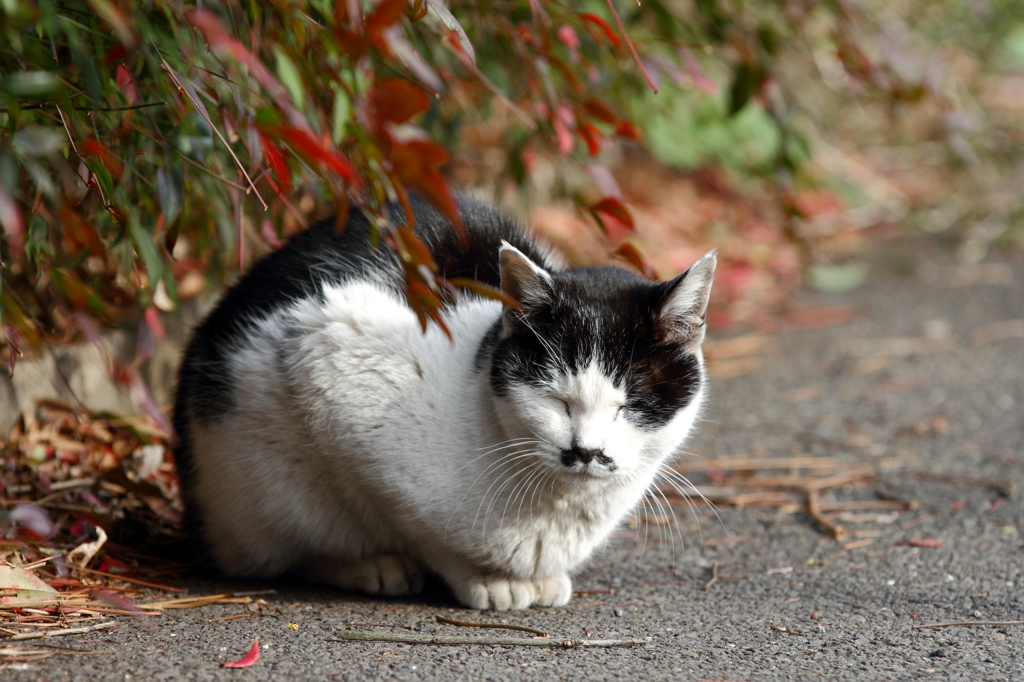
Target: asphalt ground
{"points": [[923, 383]]}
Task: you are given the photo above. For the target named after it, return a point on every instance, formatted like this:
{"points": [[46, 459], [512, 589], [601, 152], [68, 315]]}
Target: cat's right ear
{"points": [[685, 306], [526, 282]]}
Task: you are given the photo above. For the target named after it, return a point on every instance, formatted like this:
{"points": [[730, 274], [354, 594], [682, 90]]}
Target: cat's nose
{"points": [[584, 455]]}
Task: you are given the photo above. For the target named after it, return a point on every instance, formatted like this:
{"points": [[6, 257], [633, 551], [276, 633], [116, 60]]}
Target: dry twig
{"points": [[995, 623], [787, 631], [349, 635], [67, 631], [1004, 488], [714, 576], [499, 626], [814, 509]]}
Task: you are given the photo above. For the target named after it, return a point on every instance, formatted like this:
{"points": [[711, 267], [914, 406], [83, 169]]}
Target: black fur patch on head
{"points": [[608, 316]]}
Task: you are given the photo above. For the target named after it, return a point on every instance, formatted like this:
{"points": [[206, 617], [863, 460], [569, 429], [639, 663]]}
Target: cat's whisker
{"points": [[504, 462], [501, 466], [672, 521], [494, 499], [686, 490], [497, 493], [520, 494]]}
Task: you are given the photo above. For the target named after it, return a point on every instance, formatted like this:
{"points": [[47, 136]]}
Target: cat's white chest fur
{"points": [[360, 450]]}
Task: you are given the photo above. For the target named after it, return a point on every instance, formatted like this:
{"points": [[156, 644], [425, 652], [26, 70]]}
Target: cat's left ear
{"points": [[526, 282], [685, 306]]}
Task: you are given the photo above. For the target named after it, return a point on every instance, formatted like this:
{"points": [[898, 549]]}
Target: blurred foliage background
{"points": [[149, 150]]}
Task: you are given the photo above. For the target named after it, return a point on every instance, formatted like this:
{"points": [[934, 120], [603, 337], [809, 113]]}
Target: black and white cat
{"points": [[322, 432]]}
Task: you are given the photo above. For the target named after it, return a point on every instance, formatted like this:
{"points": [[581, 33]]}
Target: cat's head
{"points": [[601, 366]]}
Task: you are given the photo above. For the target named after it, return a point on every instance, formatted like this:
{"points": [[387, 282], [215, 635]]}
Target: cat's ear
{"points": [[526, 282], [685, 305]]}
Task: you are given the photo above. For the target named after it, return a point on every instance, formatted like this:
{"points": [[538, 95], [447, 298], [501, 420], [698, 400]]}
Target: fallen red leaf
{"points": [[923, 543], [248, 659]]}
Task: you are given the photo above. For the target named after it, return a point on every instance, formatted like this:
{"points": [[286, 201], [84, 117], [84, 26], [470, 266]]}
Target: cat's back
{"points": [[324, 256], [307, 274]]}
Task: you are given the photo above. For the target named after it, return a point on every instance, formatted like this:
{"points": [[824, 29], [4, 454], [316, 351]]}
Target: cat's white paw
{"points": [[504, 594], [390, 575]]}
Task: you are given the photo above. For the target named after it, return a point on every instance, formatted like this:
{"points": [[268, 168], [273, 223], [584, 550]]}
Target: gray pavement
{"points": [[925, 379]]}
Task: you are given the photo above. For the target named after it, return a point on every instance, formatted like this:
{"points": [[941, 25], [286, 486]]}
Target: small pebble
{"points": [[618, 613]]}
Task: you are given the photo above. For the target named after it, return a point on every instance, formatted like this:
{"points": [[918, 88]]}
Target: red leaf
{"points": [[634, 257], [415, 161], [220, 40], [397, 100], [628, 130], [126, 84], [114, 54], [316, 150], [152, 316], [600, 111], [568, 37], [614, 208], [248, 659], [12, 222], [277, 163], [386, 14], [603, 25], [922, 543], [485, 290], [592, 136], [432, 184], [565, 138], [90, 146]]}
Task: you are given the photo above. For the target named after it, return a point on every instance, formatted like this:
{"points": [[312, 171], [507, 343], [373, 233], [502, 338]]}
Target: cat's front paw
{"points": [[503, 594], [390, 575]]}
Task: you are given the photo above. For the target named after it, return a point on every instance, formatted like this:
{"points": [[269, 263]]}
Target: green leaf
{"points": [[835, 279], [17, 583], [170, 188], [30, 84], [747, 81], [39, 140], [102, 177], [144, 246], [342, 112], [291, 77]]}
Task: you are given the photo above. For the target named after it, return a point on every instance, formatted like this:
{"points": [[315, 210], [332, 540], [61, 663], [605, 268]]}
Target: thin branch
{"points": [[636, 57], [504, 99], [68, 631], [468, 624], [349, 635], [128, 108], [211, 173], [1004, 488], [996, 623], [787, 631], [202, 112], [714, 577], [814, 509]]}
